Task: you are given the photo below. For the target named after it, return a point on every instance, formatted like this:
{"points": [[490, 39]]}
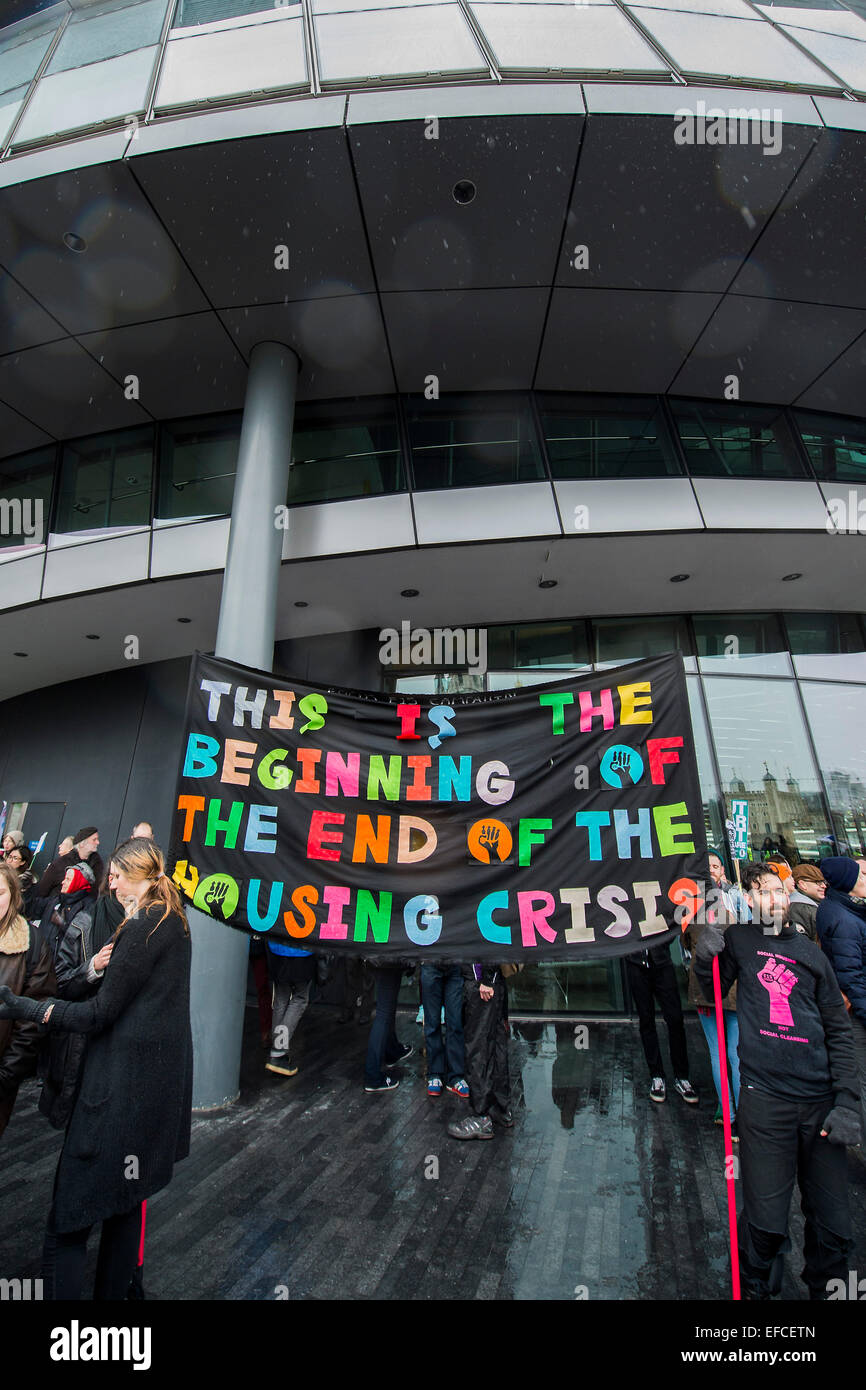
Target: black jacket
{"points": [[841, 924], [61, 1059], [795, 1037], [135, 1095], [54, 875]]}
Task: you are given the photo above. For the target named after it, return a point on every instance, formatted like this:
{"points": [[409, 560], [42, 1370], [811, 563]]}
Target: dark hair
{"points": [[26, 855], [15, 899], [753, 873]]}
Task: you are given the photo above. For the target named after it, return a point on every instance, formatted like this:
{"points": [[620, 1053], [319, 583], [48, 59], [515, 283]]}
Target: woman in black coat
{"points": [[130, 1121]]}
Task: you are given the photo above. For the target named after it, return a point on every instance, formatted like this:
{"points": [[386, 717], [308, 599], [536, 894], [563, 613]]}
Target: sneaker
{"points": [[502, 1117], [684, 1088], [389, 1084], [459, 1089], [657, 1089], [472, 1127], [279, 1062], [406, 1050], [434, 1086]]}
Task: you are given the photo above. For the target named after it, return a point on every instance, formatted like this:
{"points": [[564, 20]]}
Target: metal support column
{"points": [[246, 633]]}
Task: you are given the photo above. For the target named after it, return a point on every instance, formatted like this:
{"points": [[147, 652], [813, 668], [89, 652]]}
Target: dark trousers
{"points": [[383, 1047], [443, 984], [647, 984], [486, 1047], [359, 988], [64, 1256], [263, 993], [7, 1105], [780, 1141]]}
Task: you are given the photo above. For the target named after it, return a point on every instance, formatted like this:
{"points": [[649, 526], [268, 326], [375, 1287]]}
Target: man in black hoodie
{"points": [[799, 1093]]}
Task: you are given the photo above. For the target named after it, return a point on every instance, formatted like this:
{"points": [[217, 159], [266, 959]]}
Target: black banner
{"points": [[558, 822]]}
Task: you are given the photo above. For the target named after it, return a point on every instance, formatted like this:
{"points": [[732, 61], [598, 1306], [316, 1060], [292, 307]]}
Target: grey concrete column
{"points": [[246, 633]]}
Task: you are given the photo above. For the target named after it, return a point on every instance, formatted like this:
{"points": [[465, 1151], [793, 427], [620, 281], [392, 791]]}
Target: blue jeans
{"points": [[443, 984], [732, 1037], [383, 1047]]}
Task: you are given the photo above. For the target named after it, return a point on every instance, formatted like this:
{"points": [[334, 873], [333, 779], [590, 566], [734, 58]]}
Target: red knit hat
{"points": [[78, 881]]}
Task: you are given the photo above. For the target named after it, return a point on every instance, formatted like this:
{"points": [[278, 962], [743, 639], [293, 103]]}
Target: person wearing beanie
{"points": [[808, 891], [841, 927], [84, 849], [13, 839]]}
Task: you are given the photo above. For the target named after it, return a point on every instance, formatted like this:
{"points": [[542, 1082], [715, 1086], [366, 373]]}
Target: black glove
{"points": [[842, 1126], [17, 1007], [711, 942]]}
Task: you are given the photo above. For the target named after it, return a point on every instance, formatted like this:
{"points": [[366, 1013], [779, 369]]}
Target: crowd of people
{"points": [[94, 995]]}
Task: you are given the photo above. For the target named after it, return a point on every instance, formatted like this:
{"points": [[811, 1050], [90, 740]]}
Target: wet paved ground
{"points": [[309, 1188]]}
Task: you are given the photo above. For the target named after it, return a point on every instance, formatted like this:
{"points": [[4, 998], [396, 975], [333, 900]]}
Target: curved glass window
{"points": [[25, 497], [190, 12], [837, 717], [345, 450], [607, 437], [742, 644], [828, 645], [472, 441], [106, 30], [836, 446], [620, 640], [729, 440], [197, 466], [764, 758], [105, 482]]}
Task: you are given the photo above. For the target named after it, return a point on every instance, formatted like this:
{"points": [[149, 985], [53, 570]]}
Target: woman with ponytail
{"points": [[130, 1121]]}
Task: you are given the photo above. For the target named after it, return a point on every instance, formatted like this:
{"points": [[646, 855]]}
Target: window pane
{"points": [[714, 820], [107, 30], [563, 987], [764, 758], [411, 41], [836, 717], [21, 55], [436, 683], [827, 644], [599, 437], [736, 441], [198, 461], [191, 12], [557, 38], [749, 49], [345, 450], [742, 644], [619, 640], [472, 441], [552, 645], [105, 481], [25, 496], [836, 446]]}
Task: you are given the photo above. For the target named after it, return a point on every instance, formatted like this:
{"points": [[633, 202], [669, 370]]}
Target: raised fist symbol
{"points": [[489, 840], [778, 981], [215, 898], [620, 763]]}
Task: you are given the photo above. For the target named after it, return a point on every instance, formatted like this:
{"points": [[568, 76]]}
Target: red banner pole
{"points": [[726, 1120]]}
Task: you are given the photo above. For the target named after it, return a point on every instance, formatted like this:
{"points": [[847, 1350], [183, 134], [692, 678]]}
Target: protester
{"points": [[808, 891], [13, 839], [651, 976], [705, 1007], [798, 1102], [384, 1048], [782, 869], [841, 926], [79, 970], [733, 897], [65, 846], [85, 845], [442, 985], [130, 1121], [485, 1024], [359, 989], [20, 860], [292, 972], [142, 831], [26, 969]]}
